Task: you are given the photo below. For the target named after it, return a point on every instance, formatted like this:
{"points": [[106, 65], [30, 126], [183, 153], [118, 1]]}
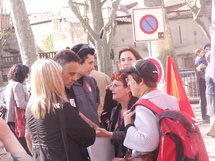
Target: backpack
{"points": [[180, 137], [3, 108]]}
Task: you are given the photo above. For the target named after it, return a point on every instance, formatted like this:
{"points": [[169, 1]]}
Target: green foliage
{"points": [[48, 44]]}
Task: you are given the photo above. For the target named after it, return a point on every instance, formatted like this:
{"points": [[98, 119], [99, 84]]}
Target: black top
{"points": [[109, 104], [86, 97], [47, 139], [118, 130]]}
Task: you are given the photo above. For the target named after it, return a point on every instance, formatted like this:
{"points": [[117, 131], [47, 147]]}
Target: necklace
{"points": [[148, 90]]}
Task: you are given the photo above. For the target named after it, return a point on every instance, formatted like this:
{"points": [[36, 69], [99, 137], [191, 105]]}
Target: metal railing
{"points": [[47, 54], [188, 76], [7, 61], [190, 83]]}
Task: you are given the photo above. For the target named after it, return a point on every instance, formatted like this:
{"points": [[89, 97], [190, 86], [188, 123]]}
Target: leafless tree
{"points": [[100, 29], [203, 7]]}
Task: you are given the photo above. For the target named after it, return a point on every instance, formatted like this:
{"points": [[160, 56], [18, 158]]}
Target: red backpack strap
{"points": [[149, 105]]}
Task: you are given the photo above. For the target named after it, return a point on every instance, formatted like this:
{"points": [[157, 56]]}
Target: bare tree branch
{"points": [[103, 2], [96, 20], [111, 36], [91, 39], [81, 19], [195, 9], [114, 8], [204, 29], [188, 3]]}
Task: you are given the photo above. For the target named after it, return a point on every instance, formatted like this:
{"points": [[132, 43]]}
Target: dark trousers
{"points": [[21, 140], [202, 88]]}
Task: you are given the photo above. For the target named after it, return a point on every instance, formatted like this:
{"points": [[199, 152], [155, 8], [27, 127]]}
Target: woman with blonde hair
{"points": [[48, 100]]}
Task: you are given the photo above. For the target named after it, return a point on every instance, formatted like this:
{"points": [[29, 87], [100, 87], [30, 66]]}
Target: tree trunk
{"points": [[98, 23], [162, 48], [24, 32]]}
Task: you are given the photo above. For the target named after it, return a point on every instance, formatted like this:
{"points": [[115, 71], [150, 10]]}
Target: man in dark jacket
{"points": [[70, 63], [85, 88]]}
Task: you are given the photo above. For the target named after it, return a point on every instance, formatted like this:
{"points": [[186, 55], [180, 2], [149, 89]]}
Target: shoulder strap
{"points": [[63, 131], [14, 101], [149, 105], [173, 114], [178, 115]]}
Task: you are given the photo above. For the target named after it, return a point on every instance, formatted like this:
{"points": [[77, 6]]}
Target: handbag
{"points": [[146, 157], [20, 121]]}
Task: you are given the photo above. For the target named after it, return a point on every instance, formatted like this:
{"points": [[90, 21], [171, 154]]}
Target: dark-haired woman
{"points": [[15, 93]]}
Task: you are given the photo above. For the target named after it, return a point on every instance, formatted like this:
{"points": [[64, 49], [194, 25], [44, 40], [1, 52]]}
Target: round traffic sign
{"points": [[149, 24], [159, 67]]}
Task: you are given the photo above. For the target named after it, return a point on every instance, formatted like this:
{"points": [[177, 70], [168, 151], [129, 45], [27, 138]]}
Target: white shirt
{"points": [[143, 137]]}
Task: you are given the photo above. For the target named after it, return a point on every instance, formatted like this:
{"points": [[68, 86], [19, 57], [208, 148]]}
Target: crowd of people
{"points": [[71, 105], [206, 87]]}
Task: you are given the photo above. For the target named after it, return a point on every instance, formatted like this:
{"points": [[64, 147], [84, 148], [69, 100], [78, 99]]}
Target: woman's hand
{"points": [[101, 132], [127, 117]]}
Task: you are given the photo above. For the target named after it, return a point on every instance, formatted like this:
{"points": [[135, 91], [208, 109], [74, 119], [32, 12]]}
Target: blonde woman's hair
{"points": [[47, 87]]}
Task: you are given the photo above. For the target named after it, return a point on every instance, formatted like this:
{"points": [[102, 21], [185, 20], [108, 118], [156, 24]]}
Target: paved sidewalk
{"points": [[209, 141]]}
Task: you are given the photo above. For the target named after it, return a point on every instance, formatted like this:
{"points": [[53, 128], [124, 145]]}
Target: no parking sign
{"points": [[148, 24], [159, 67]]}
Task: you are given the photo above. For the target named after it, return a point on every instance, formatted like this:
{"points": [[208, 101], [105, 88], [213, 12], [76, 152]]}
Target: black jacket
{"points": [[118, 133], [109, 104], [47, 139]]}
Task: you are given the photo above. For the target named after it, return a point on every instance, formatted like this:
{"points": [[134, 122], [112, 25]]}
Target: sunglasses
{"points": [[83, 47], [114, 85], [135, 68]]}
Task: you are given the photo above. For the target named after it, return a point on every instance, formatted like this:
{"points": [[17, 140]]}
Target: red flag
{"points": [[175, 87]]}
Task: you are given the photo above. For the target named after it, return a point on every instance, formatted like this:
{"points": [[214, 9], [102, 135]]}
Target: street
{"points": [[209, 141]]}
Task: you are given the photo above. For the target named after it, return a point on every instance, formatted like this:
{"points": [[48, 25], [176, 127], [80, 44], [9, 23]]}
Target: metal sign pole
{"points": [[150, 48]]}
